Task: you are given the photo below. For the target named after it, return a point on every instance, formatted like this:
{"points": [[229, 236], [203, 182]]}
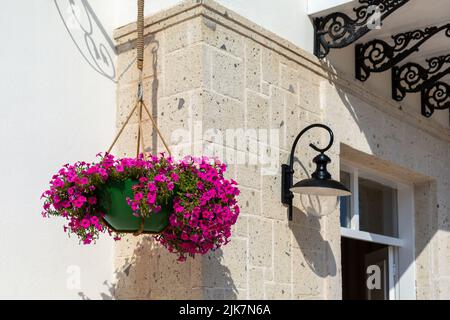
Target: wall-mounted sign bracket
{"points": [[435, 97], [338, 30], [413, 77], [379, 56]]}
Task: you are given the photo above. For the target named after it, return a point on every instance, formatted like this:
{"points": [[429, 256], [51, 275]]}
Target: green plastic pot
{"points": [[112, 201]]}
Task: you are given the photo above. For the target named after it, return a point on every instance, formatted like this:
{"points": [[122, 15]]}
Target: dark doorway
{"points": [[356, 256]]}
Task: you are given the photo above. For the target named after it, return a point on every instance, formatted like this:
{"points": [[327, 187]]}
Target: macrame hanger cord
{"points": [[140, 106]]}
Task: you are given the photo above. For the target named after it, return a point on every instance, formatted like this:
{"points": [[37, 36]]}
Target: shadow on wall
{"points": [[89, 36], [151, 272], [308, 211]]}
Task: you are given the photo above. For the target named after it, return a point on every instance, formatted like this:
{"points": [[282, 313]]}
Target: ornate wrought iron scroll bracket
{"points": [[338, 30], [435, 97], [413, 77], [378, 56]]}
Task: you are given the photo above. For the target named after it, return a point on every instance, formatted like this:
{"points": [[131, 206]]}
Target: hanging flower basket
{"points": [[189, 204]]}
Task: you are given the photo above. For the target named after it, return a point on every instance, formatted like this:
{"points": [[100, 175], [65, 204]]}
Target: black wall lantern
{"points": [[320, 182]]}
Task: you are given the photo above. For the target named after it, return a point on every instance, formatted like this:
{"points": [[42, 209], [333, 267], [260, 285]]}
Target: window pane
{"points": [[377, 208], [345, 202]]}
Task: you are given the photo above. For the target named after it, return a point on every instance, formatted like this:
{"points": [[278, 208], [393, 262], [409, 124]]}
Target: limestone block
{"points": [[248, 175], [257, 111], [260, 242], [296, 116], [265, 88], [238, 294], [253, 75], [271, 202], [307, 273], [127, 99], [185, 69], [444, 255], [269, 274], [308, 239], [182, 35], [277, 291], [278, 116], [125, 247], [282, 252], [222, 38], [214, 293], [133, 277], [197, 294], [444, 288], [170, 274], [127, 143], [309, 98], [240, 228], [175, 294], [227, 267], [250, 201], [211, 263], [228, 75], [289, 79], [270, 66], [269, 156], [222, 113], [303, 217], [176, 116], [126, 71], [256, 283]]}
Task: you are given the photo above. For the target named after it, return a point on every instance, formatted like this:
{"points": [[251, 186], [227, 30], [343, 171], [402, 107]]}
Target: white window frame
{"points": [[401, 248]]}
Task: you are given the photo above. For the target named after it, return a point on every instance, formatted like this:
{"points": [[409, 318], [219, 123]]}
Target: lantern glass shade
{"points": [[318, 187]]}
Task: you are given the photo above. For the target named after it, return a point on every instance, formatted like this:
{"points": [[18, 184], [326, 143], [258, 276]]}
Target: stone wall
{"points": [[208, 70]]}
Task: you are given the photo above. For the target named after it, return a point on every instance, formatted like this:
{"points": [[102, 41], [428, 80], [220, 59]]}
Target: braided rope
{"points": [[140, 34]]}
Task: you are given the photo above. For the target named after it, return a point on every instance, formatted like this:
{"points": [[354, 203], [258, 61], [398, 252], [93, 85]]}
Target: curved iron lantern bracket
{"points": [[320, 182], [379, 56], [413, 77], [338, 30], [287, 171], [435, 97]]}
